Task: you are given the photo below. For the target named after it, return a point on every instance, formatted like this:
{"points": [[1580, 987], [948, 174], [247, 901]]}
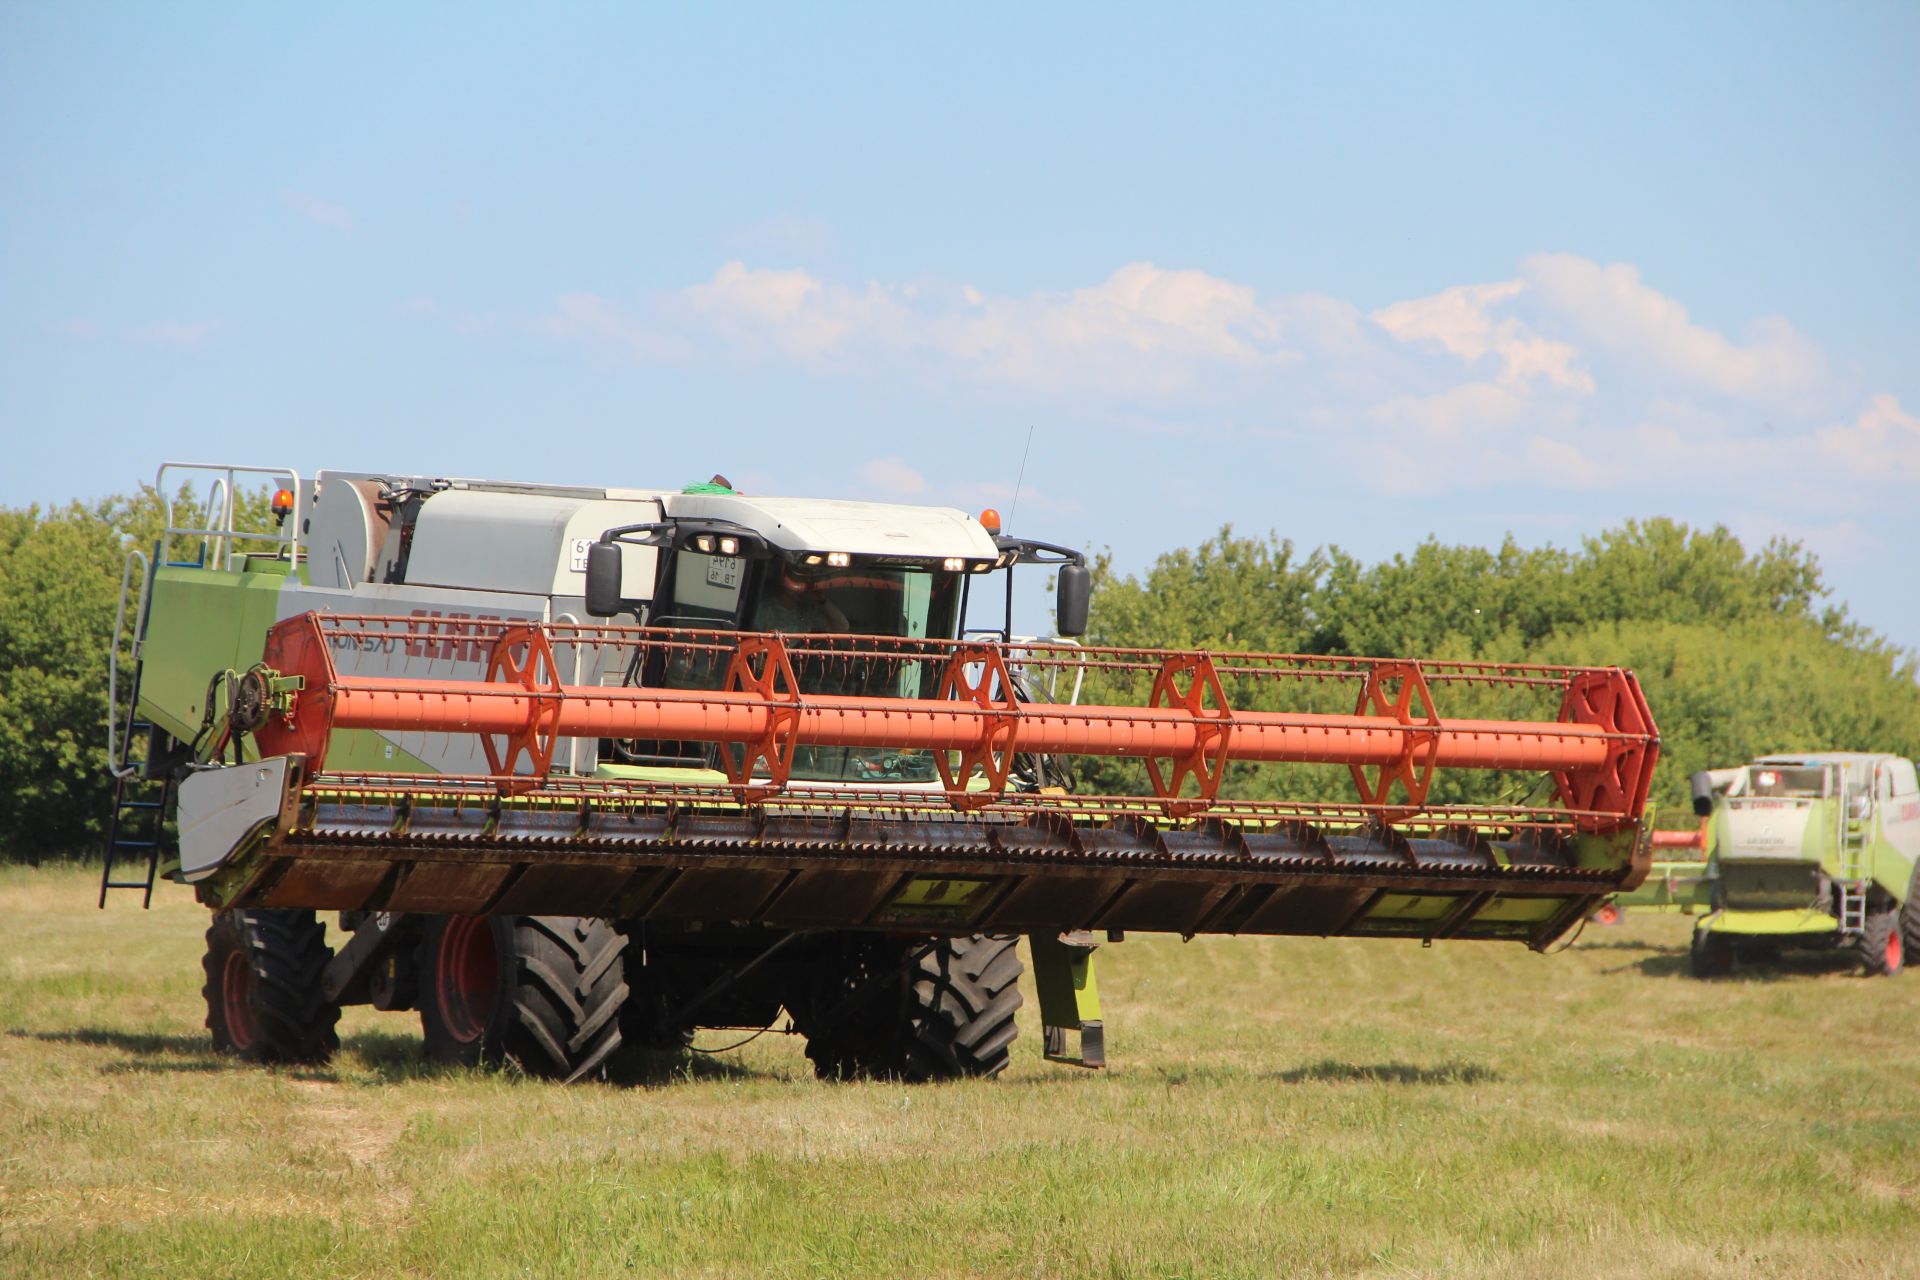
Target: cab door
{"points": [[1897, 793]]}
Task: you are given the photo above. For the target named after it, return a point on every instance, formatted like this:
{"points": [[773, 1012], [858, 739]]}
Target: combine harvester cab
{"points": [[585, 767], [1814, 850]]}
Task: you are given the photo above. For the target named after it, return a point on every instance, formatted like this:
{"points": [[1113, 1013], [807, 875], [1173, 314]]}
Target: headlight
{"points": [[953, 564], [838, 559]]}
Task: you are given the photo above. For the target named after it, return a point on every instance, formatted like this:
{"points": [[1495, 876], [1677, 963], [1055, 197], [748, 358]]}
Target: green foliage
{"points": [[59, 588], [1739, 653]]}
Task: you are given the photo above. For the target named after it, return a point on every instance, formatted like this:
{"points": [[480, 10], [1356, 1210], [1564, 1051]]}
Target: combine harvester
{"points": [[1819, 850], [585, 766]]}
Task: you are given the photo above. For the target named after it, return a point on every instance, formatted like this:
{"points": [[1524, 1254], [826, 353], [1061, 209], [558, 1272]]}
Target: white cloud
{"points": [[322, 213], [892, 475], [1472, 408], [1883, 442], [1569, 376], [1462, 321], [795, 312], [1610, 307], [1141, 329]]}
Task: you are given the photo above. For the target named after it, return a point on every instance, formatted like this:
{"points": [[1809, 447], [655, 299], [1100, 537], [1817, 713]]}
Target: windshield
{"points": [[724, 592], [1786, 781], [910, 603]]}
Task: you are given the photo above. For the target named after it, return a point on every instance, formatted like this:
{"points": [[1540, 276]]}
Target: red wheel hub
{"points": [[236, 999], [1896, 950], [467, 976]]}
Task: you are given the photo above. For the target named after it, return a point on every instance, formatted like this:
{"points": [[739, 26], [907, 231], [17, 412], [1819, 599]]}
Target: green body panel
{"points": [[697, 777], [1063, 977], [1684, 887], [201, 622], [661, 773], [1769, 923]]}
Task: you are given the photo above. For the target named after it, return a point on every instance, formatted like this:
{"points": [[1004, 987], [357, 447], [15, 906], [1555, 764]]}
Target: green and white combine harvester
{"points": [[581, 767], [1813, 850]]}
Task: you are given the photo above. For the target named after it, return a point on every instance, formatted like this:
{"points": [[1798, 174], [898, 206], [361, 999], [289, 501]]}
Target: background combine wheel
{"points": [[1881, 947], [1710, 956], [1910, 918], [264, 1001], [542, 991], [927, 1009]]}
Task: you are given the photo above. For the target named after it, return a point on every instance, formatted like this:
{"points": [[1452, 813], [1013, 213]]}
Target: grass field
{"points": [[1275, 1107]]}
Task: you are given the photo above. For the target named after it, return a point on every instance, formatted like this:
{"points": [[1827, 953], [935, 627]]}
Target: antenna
{"points": [[1014, 509]]}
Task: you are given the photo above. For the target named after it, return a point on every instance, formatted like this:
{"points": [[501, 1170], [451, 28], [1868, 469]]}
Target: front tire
{"points": [[934, 1009], [541, 991], [1710, 955], [263, 989]]}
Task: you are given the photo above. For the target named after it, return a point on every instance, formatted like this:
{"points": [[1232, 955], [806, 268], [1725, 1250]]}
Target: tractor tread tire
{"points": [[570, 996], [1910, 915], [561, 985], [950, 1015], [1880, 944], [292, 1020], [1709, 955]]}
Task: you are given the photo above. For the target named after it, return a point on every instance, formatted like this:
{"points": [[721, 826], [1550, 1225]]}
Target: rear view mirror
{"points": [[603, 579], [1702, 784], [1070, 606]]}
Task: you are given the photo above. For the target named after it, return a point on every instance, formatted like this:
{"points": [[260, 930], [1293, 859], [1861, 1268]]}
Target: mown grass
{"points": [[1276, 1107]]}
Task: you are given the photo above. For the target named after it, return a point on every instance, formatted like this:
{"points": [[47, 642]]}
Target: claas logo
{"points": [[458, 637]]}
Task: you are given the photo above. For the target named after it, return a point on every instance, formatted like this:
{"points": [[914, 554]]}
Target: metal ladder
{"points": [[136, 830], [1851, 843]]}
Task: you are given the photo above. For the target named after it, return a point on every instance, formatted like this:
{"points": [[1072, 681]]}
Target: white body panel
{"points": [[221, 809], [860, 528], [495, 551]]}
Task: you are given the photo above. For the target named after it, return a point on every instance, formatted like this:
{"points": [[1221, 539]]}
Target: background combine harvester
{"points": [[1811, 850], [787, 775]]}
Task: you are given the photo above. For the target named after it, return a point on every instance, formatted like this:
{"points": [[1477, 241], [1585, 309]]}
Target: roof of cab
{"points": [[832, 524]]}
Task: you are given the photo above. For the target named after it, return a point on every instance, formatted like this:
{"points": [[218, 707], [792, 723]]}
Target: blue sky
{"points": [[1357, 277]]}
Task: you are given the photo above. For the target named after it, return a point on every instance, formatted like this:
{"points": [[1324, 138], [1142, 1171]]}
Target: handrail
{"points": [[115, 766], [221, 536]]}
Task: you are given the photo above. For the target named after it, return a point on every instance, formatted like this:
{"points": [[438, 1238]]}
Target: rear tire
{"points": [[936, 1009], [1910, 916], [1710, 955], [540, 991], [1880, 946], [263, 990]]}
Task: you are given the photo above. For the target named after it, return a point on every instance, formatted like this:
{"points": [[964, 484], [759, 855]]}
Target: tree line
{"points": [[60, 575], [1739, 652]]}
